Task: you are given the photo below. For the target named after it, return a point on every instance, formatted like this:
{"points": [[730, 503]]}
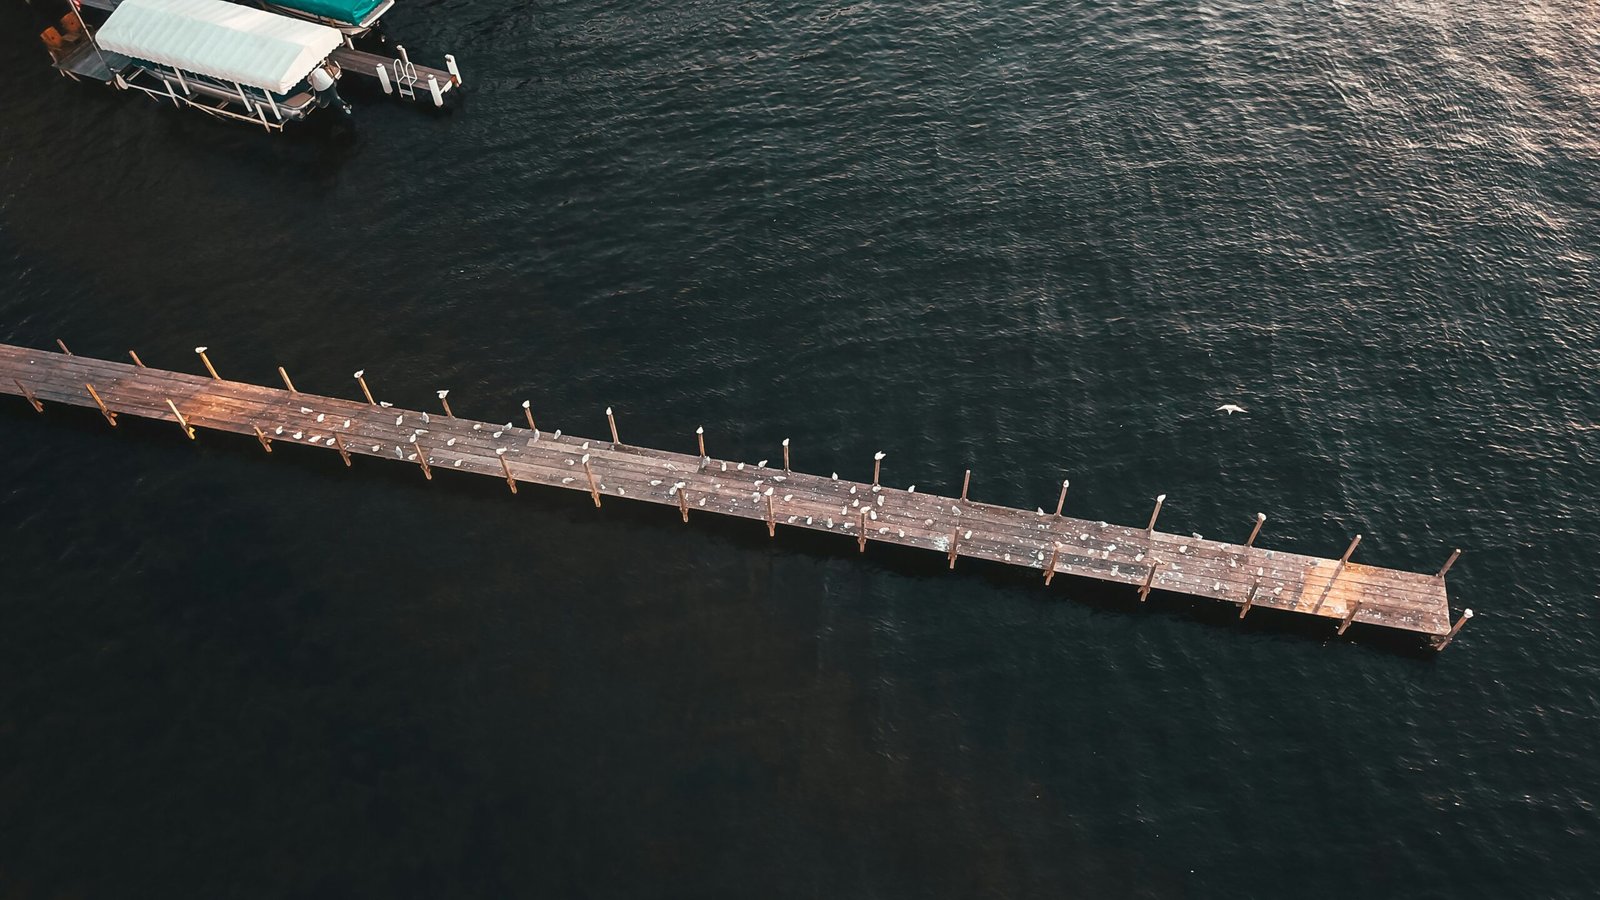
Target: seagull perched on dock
{"points": [[1231, 408]]}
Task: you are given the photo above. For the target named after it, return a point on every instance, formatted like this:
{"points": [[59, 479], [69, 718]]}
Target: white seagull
{"points": [[1231, 408]]}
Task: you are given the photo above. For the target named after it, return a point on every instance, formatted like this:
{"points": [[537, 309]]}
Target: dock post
{"points": [[966, 481], [1350, 615], [444, 399], [1150, 530], [63, 345], [594, 489], [1050, 570], [1250, 598], [1149, 579], [700, 437], [27, 394], [1445, 641], [1447, 563], [451, 67], [786, 454], [1335, 576], [433, 88], [361, 379], [343, 453], [201, 352], [286, 382], [862, 538], [877, 466], [266, 442], [772, 520], [955, 540], [1261, 519], [612, 421], [527, 410], [110, 416], [136, 360], [504, 467], [1062, 500], [422, 458], [182, 422], [683, 501]]}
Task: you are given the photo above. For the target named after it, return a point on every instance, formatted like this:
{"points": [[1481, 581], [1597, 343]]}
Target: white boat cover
{"points": [[220, 39]]}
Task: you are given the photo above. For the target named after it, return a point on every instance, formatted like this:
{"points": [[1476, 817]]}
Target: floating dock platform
{"points": [[520, 453]]}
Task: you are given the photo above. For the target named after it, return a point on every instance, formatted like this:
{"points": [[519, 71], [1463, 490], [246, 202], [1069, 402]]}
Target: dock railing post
{"points": [[877, 466], [594, 488], [1150, 530], [201, 352], [361, 379], [286, 382], [1448, 563], [785, 454], [527, 410], [110, 416], [136, 360], [266, 442], [182, 422], [1335, 576], [612, 421], [444, 399], [1261, 519], [339, 443], [1050, 569], [506, 468], [28, 395], [966, 481], [1062, 500], [1445, 641]]}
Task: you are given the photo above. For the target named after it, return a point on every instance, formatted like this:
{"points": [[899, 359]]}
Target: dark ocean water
{"points": [[1040, 240]]}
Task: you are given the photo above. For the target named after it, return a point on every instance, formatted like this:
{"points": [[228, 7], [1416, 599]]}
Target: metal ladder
{"points": [[405, 75]]}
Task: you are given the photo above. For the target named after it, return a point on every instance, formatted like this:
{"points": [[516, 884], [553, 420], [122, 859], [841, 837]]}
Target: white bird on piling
{"points": [[1231, 408]]}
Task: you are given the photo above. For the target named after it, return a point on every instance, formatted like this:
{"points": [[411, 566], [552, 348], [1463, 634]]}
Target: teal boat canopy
{"points": [[350, 11]]}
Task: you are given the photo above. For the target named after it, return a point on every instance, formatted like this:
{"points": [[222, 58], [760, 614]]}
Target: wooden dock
{"points": [[1145, 559]]}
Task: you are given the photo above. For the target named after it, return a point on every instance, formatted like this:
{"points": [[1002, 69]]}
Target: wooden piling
{"points": [[1261, 519], [862, 537], [182, 422], [594, 488], [1062, 500], [1150, 529], [1149, 580], [1350, 615], [1445, 641], [444, 399], [527, 410], [110, 416], [361, 379], [612, 421], [877, 465], [1448, 563], [966, 481], [63, 345], [786, 454], [28, 395], [266, 442], [343, 453], [683, 501], [422, 458], [136, 360], [1250, 598], [286, 382], [772, 519], [700, 437], [506, 468], [1050, 570], [201, 352], [955, 540], [1335, 576]]}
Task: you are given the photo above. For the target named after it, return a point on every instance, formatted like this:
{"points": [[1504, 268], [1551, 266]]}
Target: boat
{"points": [[231, 61], [354, 18]]}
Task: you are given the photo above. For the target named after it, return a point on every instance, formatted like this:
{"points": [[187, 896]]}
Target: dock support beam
{"points": [[1261, 519], [1445, 641]]}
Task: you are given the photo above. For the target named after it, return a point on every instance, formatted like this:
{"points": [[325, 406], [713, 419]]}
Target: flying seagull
{"points": [[1230, 408]]}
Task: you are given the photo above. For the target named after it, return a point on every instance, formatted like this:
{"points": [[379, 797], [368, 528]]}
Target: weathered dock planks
{"points": [[1143, 558]]}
